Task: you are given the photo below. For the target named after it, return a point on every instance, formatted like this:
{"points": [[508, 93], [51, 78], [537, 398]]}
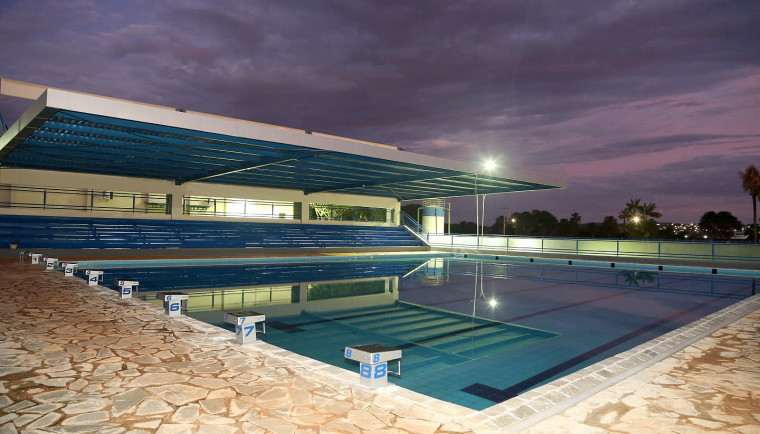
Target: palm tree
{"points": [[648, 211], [632, 209], [751, 184]]}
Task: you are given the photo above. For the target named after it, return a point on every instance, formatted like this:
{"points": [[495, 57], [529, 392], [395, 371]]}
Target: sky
{"points": [[624, 99]]}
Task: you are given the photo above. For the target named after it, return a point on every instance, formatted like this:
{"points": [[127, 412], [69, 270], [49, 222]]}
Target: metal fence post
{"points": [[712, 245], [659, 249]]}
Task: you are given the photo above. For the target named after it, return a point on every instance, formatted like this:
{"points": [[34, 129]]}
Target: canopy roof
{"points": [[75, 132]]}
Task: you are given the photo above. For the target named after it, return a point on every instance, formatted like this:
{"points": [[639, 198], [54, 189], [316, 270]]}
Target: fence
{"points": [[661, 249]]}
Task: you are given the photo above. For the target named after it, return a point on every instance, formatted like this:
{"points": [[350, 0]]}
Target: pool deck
{"points": [[75, 358]]}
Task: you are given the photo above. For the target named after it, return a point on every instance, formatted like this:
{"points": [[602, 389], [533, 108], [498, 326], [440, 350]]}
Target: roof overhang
{"points": [[73, 131]]}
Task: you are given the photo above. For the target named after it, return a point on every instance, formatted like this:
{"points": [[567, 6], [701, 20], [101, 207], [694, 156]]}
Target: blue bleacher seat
{"points": [[39, 232]]}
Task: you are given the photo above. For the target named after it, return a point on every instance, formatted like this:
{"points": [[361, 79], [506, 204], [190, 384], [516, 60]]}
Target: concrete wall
{"points": [[42, 178]]}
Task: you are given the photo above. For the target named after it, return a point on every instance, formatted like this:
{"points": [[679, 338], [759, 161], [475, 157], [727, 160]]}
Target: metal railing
{"points": [[415, 227], [630, 248], [90, 200]]}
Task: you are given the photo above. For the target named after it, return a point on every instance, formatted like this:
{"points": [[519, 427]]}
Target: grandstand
{"points": [[81, 171]]}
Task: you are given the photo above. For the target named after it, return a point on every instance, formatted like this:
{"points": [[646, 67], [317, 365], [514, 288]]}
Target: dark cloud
{"points": [[540, 82], [653, 144]]}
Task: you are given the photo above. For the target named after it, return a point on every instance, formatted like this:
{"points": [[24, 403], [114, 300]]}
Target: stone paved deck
{"points": [[75, 358]]}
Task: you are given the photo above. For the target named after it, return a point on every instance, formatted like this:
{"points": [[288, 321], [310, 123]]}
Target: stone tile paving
{"points": [[75, 358], [711, 386]]}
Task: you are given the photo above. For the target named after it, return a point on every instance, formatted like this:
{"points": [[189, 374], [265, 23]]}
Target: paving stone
{"points": [[175, 428], [152, 406], [87, 406], [275, 425], [41, 408], [18, 406], [125, 401], [45, 421], [179, 394], [213, 406], [217, 429], [342, 427], [157, 379], [25, 419], [238, 407], [364, 420], [225, 393], [186, 414], [87, 418], [152, 424], [55, 396]]}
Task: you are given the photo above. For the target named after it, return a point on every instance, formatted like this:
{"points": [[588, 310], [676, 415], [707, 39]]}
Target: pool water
{"points": [[472, 332]]}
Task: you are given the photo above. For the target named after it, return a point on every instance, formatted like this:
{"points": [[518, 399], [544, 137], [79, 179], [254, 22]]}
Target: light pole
{"points": [[488, 166]]}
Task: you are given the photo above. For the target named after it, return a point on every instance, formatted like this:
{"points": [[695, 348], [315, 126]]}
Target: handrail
{"points": [[414, 227]]}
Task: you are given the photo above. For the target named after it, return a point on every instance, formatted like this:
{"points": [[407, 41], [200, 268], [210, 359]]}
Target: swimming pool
{"points": [[473, 332]]}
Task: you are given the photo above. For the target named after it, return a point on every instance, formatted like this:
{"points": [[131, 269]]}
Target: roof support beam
{"points": [[386, 183], [20, 89], [261, 162]]}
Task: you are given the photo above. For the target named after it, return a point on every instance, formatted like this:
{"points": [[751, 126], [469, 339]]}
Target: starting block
{"points": [[173, 302], [126, 287], [50, 263], [69, 268], [373, 363], [94, 277], [245, 325], [36, 258]]}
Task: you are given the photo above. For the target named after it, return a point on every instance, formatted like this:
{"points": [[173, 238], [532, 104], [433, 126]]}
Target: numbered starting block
{"points": [[126, 287], [36, 258], [94, 277], [245, 325], [173, 302], [373, 363], [50, 263], [69, 268]]}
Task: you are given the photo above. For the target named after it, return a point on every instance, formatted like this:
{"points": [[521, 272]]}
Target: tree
{"points": [[463, 227], [632, 209], [719, 225], [502, 226], [609, 227], [648, 211], [638, 219], [536, 222], [751, 184], [411, 209]]}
